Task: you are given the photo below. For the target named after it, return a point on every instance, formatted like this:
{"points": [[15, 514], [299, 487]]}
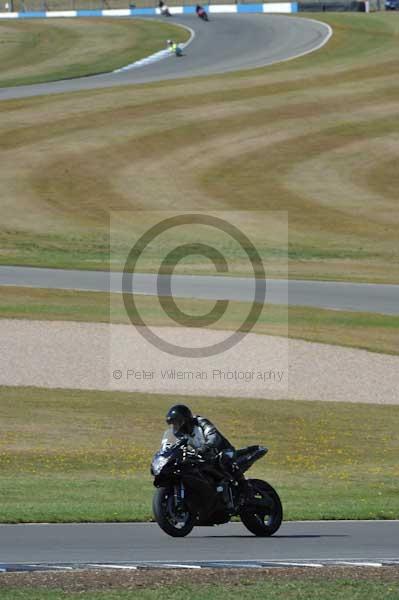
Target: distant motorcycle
{"points": [[164, 9], [201, 13], [192, 491]]}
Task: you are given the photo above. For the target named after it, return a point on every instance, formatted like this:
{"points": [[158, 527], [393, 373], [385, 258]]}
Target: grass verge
{"points": [[377, 333], [37, 51], [314, 137], [247, 587], [84, 456]]}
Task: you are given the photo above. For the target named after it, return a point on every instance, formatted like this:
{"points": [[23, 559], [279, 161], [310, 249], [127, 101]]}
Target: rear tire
{"points": [[175, 525], [262, 521]]}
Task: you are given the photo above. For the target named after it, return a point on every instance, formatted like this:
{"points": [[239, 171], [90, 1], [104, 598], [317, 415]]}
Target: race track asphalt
{"points": [[360, 297], [227, 43], [140, 542]]}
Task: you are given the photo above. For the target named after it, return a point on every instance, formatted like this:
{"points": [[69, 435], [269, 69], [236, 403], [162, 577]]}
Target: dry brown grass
{"points": [[84, 581], [33, 51], [314, 137]]}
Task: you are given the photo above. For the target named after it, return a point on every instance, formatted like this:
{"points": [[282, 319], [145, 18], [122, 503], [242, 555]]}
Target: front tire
{"points": [[170, 521], [262, 516]]}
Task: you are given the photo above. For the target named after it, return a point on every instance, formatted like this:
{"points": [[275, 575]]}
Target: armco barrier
{"points": [[277, 7]]}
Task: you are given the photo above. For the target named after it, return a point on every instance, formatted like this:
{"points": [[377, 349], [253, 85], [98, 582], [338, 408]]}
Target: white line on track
{"points": [[297, 564], [232, 564], [353, 563], [162, 54], [315, 48], [108, 566], [179, 566]]}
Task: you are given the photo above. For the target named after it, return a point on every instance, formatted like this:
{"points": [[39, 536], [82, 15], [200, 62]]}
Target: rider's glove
{"points": [[209, 453], [198, 453], [191, 451]]}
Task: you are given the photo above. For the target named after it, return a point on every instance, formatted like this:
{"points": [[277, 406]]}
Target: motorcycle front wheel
{"points": [[263, 513], [172, 520]]}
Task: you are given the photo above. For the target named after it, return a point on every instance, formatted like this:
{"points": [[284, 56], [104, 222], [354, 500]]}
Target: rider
{"points": [[206, 440], [174, 47], [164, 9], [199, 10]]}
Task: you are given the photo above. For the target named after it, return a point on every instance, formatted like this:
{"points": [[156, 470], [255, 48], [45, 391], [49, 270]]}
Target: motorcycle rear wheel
{"points": [[165, 514], [262, 521]]}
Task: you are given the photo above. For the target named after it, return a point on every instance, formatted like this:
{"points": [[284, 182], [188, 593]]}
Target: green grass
{"points": [[37, 51], [377, 333], [75, 497], [314, 138], [68, 455], [317, 589]]}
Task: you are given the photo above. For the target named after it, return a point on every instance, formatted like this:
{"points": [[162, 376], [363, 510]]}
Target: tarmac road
{"points": [[360, 297], [227, 43], [140, 542]]}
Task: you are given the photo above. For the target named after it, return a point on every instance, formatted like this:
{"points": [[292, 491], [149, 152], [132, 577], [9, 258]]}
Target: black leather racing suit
{"points": [[209, 442]]}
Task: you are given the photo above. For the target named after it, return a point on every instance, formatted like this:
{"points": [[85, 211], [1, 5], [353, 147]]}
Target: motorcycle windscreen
{"points": [[168, 438]]}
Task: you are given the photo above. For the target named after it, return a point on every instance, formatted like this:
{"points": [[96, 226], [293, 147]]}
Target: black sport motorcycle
{"points": [[192, 491]]}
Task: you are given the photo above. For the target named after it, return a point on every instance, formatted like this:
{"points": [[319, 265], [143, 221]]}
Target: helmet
{"points": [[180, 418]]}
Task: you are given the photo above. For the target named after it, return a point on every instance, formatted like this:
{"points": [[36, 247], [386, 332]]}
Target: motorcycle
{"points": [[164, 9], [192, 491], [202, 14]]}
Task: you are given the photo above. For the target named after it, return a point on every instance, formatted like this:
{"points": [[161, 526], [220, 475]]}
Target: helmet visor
{"points": [[176, 423]]}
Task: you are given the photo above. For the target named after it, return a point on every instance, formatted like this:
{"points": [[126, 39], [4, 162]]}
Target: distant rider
{"points": [[174, 47], [164, 9], [206, 440], [201, 12]]}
